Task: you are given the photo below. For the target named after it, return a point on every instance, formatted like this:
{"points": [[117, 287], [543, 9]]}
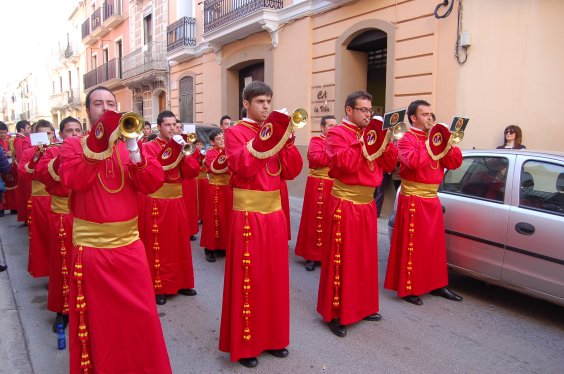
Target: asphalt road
{"points": [[492, 331]]}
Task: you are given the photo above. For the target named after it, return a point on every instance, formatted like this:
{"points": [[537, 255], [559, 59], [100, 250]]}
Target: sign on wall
{"points": [[322, 100]]}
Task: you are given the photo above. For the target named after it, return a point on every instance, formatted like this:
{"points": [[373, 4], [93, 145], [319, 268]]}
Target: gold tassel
{"points": [[64, 267], [158, 284], [337, 258], [409, 267], [85, 363], [246, 279], [216, 212], [319, 215]]}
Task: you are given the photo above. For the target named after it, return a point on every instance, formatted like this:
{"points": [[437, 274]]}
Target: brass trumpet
{"points": [[298, 118], [457, 136], [187, 147], [398, 131], [131, 125]]}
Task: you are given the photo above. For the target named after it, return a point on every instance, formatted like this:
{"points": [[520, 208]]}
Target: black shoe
{"points": [[373, 317], [446, 293], [310, 265], [13, 211], [337, 329], [193, 238], [415, 300], [220, 252], [187, 292], [280, 353], [210, 255], [1, 213], [3, 268], [161, 299], [61, 319], [250, 362]]}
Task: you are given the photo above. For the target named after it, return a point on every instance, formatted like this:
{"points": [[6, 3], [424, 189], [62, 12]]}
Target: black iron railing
{"points": [[96, 19], [86, 28], [110, 8], [218, 13], [181, 33], [151, 56], [68, 51], [109, 70]]}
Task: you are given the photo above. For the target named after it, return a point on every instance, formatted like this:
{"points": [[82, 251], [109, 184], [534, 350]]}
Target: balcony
{"points": [[104, 19], [229, 20], [70, 54], [108, 73], [145, 62], [59, 101], [181, 39]]}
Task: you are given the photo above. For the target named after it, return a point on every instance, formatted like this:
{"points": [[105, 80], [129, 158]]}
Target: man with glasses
{"points": [[417, 261], [348, 285]]}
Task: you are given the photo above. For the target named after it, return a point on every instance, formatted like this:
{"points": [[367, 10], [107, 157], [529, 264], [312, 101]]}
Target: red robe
{"points": [[286, 206], [23, 192], [314, 221], [189, 190], [39, 219], [202, 180], [124, 330], [171, 245], [9, 199], [357, 226], [428, 258], [218, 206], [269, 294], [60, 236]]}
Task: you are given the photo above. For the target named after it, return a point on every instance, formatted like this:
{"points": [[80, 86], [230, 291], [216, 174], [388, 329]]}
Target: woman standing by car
{"points": [[513, 138]]}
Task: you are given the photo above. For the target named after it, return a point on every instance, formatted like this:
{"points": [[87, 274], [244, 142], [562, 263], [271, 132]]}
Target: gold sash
{"points": [[104, 235], [425, 190], [354, 194], [320, 173], [220, 179], [168, 191], [256, 201], [60, 205], [202, 175], [38, 189]]}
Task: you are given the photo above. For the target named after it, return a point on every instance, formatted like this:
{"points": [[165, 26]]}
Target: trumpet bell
{"points": [[398, 131], [192, 137], [131, 125], [457, 136], [188, 149], [298, 119]]}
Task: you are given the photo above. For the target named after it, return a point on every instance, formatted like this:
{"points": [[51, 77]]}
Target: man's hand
{"points": [[133, 148]]}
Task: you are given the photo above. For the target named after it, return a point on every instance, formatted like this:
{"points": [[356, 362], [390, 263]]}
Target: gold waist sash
{"points": [[38, 189], [202, 175], [354, 194], [320, 173], [60, 205], [256, 201], [104, 235], [220, 179], [168, 191], [425, 190]]}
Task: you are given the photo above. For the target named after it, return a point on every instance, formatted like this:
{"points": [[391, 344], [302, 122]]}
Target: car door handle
{"points": [[525, 228]]}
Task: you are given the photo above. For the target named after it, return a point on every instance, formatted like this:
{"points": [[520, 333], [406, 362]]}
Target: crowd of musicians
{"points": [[111, 217]]}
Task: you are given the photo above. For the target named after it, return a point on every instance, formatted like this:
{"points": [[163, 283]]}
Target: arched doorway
{"points": [[254, 72]]}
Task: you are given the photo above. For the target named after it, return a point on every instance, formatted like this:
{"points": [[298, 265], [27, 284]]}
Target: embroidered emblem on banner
{"points": [[394, 119], [36, 157], [99, 131], [221, 160], [459, 124], [437, 139], [166, 153], [266, 131], [371, 137]]}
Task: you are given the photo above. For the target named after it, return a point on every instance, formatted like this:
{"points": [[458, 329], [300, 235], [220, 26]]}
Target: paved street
{"points": [[491, 331]]}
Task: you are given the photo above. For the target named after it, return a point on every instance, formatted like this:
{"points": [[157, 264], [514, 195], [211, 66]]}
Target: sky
{"points": [[29, 30]]}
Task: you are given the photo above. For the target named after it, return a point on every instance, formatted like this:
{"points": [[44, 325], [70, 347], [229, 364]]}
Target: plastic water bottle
{"points": [[61, 341]]}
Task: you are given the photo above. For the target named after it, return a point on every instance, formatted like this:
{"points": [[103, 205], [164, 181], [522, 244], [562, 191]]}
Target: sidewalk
{"points": [[14, 356]]}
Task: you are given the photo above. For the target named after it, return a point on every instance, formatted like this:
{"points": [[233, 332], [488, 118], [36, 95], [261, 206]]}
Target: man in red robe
{"points": [[348, 284], [201, 179], [164, 231], [113, 322], [313, 224], [219, 203], [8, 201], [417, 261], [39, 219], [60, 238], [256, 295], [23, 191]]}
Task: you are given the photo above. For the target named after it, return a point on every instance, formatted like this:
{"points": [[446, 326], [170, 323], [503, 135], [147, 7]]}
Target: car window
{"points": [[479, 177], [542, 187]]}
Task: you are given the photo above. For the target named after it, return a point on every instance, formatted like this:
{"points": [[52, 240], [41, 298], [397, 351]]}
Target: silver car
{"points": [[504, 220]]}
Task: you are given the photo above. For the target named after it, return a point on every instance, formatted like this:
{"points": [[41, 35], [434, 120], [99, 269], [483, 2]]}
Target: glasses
{"points": [[364, 110], [509, 131]]}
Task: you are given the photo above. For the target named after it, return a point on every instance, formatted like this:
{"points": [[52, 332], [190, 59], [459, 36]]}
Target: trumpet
{"points": [[457, 136], [190, 137], [298, 119], [398, 131], [131, 125], [187, 148]]}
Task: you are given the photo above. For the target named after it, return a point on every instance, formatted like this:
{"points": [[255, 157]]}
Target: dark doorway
{"points": [[186, 99], [254, 72], [375, 44]]}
